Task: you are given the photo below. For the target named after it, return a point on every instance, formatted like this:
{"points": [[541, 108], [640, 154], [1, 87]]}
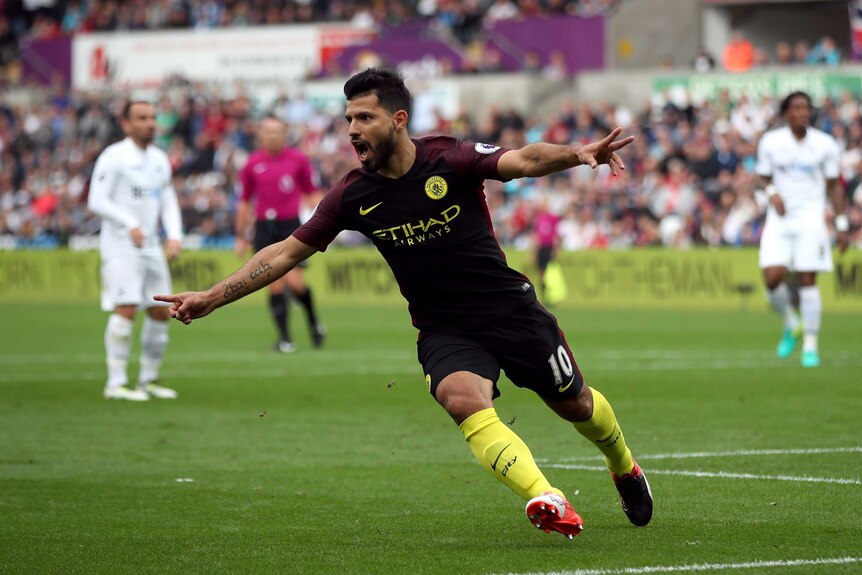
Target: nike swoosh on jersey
{"points": [[366, 211], [568, 385]]}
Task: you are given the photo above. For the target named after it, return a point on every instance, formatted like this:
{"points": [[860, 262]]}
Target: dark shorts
{"points": [[268, 232], [526, 344], [544, 255]]}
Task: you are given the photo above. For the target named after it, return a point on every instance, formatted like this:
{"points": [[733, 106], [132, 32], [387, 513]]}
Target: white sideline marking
{"points": [[721, 474], [737, 453], [628, 354], [342, 360], [706, 365], [29, 367], [703, 567]]}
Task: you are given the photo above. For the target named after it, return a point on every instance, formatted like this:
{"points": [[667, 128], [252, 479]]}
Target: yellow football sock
{"points": [[503, 453], [603, 430]]}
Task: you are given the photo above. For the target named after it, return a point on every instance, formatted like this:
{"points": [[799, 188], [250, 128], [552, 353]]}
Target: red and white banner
{"points": [[260, 55]]}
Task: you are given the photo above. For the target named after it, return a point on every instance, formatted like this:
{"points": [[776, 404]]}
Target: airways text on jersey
{"points": [[417, 232]]}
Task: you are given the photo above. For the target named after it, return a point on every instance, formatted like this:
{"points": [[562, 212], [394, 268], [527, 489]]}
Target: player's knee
{"points": [[461, 397], [120, 326]]}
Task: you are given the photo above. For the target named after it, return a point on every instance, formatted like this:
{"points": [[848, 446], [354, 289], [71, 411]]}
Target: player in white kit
{"points": [[797, 165], [131, 191]]}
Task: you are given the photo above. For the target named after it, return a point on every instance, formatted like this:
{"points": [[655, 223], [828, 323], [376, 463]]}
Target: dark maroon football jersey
{"points": [[433, 228]]}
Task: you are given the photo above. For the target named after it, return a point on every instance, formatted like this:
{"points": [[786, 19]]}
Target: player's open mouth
{"points": [[362, 150]]}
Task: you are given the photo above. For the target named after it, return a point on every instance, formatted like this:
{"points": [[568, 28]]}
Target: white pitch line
{"points": [[704, 567], [737, 453], [299, 363], [705, 365], [720, 474], [617, 354]]}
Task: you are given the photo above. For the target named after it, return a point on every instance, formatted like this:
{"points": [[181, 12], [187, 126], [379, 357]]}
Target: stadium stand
{"points": [[690, 177]]}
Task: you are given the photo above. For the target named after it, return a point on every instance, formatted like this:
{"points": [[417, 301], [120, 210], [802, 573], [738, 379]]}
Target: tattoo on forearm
{"points": [[231, 289], [263, 268], [548, 167]]}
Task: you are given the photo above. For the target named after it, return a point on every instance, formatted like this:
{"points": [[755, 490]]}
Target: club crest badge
{"points": [[436, 187]]}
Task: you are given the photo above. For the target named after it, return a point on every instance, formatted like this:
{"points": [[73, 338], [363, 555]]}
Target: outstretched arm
{"points": [[263, 268], [541, 159]]}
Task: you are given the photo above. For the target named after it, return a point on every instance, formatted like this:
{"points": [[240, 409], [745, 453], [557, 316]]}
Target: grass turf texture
{"points": [[338, 461]]}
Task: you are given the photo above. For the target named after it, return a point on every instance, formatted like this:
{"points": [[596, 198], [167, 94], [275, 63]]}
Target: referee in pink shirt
{"points": [[277, 179]]}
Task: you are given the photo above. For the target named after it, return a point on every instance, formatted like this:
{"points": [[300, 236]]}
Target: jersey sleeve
{"points": [[763, 167], [305, 177], [477, 159], [101, 200], [246, 181], [324, 224]]}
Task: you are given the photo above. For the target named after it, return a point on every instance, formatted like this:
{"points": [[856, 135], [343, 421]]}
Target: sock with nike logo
{"points": [[503, 453], [604, 431]]}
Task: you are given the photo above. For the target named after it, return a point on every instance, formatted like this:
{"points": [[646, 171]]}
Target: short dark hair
{"points": [[785, 103], [127, 108], [387, 84]]}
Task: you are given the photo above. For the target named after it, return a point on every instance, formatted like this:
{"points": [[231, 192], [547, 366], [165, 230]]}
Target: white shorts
{"points": [[800, 245], [134, 280]]}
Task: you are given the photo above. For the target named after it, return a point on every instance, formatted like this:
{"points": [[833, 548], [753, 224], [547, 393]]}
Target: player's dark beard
{"points": [[382, 152]]}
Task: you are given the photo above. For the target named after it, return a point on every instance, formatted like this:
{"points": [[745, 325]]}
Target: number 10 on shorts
{"points": [[560, 365]]}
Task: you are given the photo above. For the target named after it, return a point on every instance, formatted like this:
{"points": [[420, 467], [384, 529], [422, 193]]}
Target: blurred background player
{"points": [[131, 191], [278, 178], [546, 240], [797, 164]]}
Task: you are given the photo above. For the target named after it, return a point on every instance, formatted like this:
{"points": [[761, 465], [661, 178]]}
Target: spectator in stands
{"points": [[738, 55], [703, 61], [501, 10], [783, 53], [824, 52], [676, 193], [800, 52], [556, 68]]}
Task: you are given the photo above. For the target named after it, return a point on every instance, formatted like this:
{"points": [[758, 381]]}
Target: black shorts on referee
{"points": [[544, 256], [526, 344], [268, 232]]}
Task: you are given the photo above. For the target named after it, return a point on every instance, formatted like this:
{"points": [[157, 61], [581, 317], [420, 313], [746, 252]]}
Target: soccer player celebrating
{"points": [[131, 191], [421, 202], [278, 178], [796, 165]]}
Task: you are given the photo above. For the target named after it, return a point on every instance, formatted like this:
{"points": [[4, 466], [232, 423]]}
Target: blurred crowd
{"points": [[456, 20], [741, 55], [689, 179]]}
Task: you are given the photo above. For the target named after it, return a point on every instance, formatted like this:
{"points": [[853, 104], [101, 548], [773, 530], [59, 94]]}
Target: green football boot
{"points": [[789, 339], [810, 358]]}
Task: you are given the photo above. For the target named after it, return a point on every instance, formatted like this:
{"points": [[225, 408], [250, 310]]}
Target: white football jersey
{"points": [[799, 168], [131, 188]]}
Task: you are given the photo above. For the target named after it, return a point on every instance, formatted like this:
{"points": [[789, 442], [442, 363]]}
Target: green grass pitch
{"points": [[338, 461]]}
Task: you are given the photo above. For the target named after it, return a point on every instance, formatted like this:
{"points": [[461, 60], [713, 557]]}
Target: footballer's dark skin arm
{"points": [[263, 268]]}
